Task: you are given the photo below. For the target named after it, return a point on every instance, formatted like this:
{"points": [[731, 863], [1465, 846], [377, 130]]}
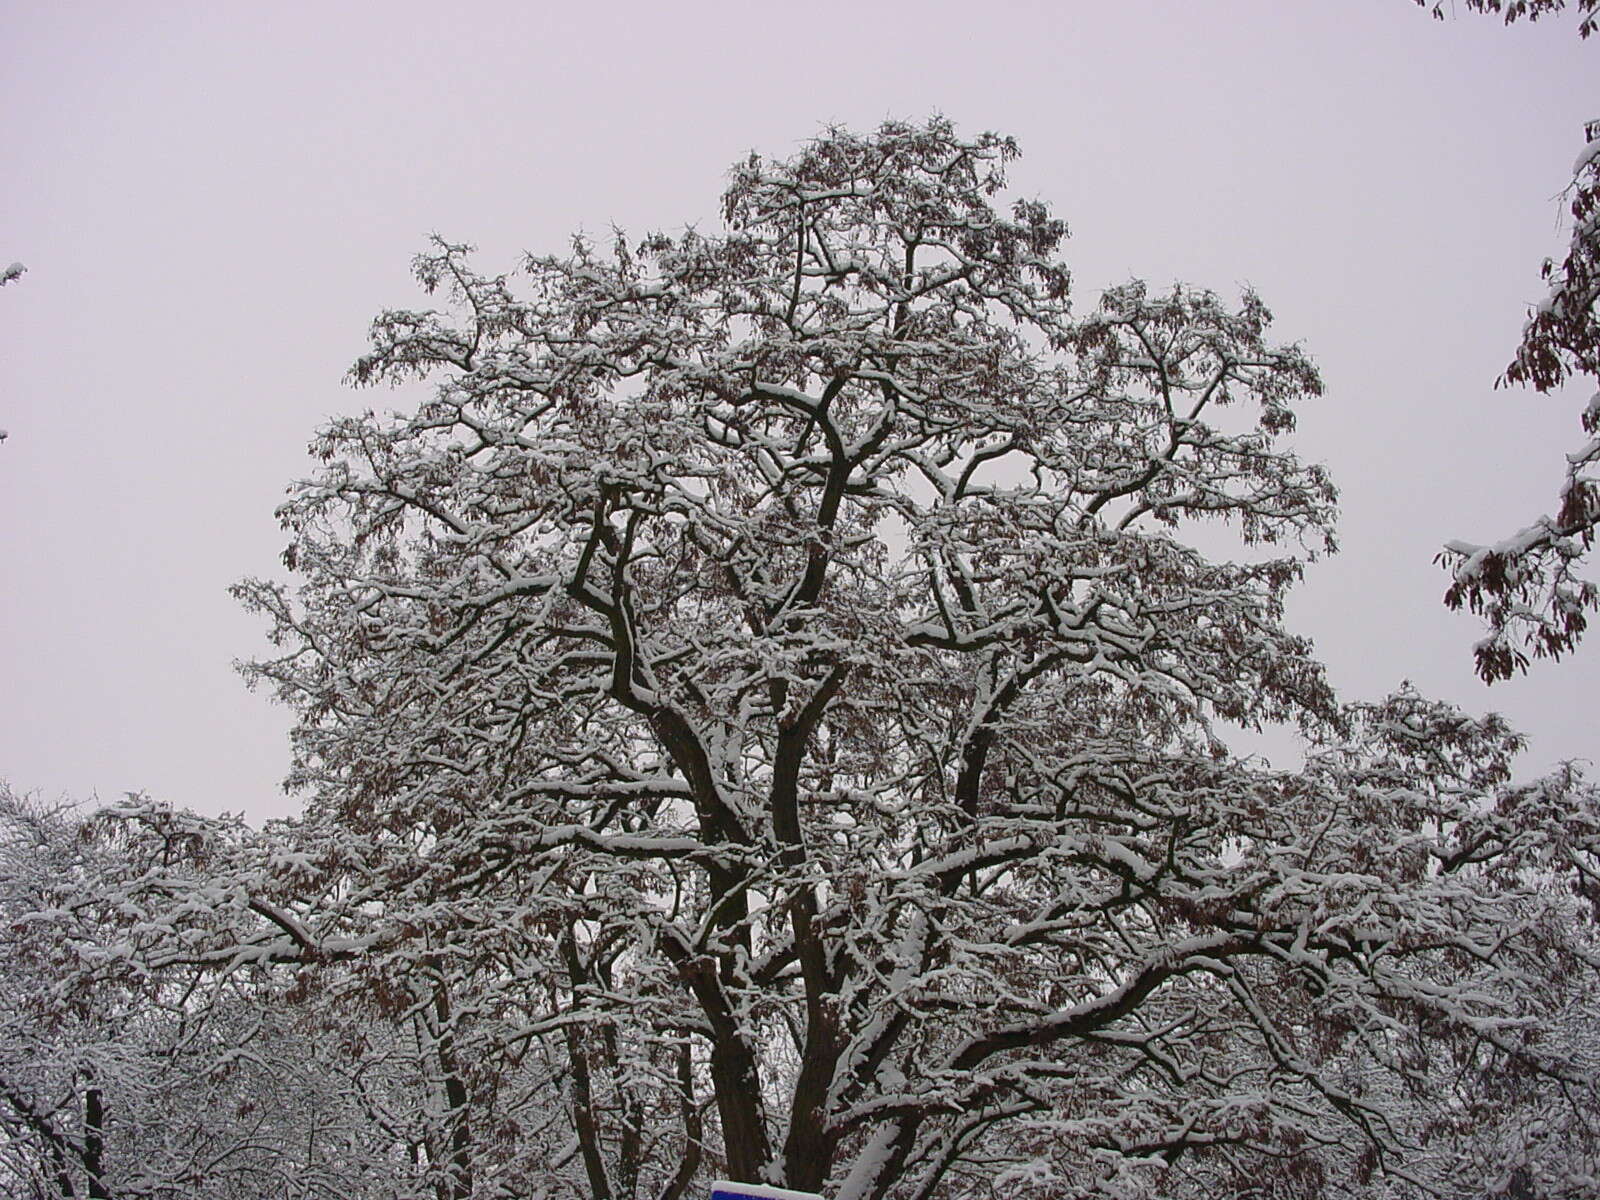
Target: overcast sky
{"points": [[213, 199]]}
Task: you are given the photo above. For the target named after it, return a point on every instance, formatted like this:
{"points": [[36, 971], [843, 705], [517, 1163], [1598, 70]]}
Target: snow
{"points": [[1589, 154]]}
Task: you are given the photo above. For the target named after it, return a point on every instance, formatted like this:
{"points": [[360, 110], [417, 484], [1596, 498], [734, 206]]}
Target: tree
{"points": [[762, 682], [1527, 586], [148, 1048], [51, 1096], [1515, 10]]}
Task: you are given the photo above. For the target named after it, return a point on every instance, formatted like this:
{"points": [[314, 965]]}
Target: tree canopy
{"points": [[761, 715]]}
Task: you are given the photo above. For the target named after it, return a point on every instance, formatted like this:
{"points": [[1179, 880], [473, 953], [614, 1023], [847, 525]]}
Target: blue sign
{"points": [[723, 1190]]}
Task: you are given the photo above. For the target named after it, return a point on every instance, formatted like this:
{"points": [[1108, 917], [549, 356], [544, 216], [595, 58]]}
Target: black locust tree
{"points": [[765, 681]]}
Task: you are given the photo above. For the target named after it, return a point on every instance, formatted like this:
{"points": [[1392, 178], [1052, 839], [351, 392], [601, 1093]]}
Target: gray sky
{"points": [[213, 199]]}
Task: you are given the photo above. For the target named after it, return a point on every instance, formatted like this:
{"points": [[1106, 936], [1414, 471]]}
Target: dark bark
{"points": [[738, 1092], [693, 1130], [811, 1143], [583, 1114], [456, 1099], [94, 1142]]}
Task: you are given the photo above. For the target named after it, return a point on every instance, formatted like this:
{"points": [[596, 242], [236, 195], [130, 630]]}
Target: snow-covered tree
{"points": [[762, 694], [1528, 587], [147, 1047]]}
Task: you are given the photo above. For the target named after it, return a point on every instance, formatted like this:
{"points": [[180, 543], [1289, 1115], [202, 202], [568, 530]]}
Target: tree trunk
{"points": [[738, 1090], [456, 1098], [94, 1143]]}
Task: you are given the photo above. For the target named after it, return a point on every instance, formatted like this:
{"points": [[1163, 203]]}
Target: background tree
{"points": [[762, 680], [1532, 10], [148, 1046], [1527, 586]]}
